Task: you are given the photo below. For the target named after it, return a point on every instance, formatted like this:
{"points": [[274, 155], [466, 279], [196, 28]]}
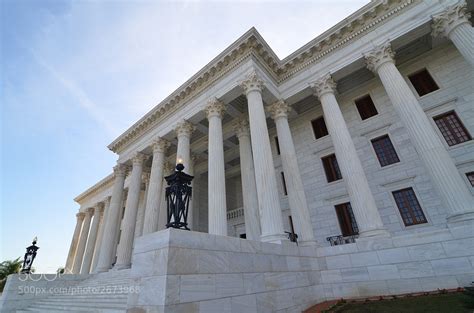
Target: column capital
{"points": [[279, 109], [184, 128], [449, 19], [241, 127], [378, 56], [214, 107], [80, 216], [120, 170], [90, 211], [323, 85], [100, 205], [138, 158], [252, 82], [160, 145]]}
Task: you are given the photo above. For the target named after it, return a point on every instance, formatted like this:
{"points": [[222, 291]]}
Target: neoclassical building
{"points": [[360, 143]]}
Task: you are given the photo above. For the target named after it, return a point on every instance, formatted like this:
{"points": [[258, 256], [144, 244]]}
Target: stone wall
{"points": [[180, 271]]}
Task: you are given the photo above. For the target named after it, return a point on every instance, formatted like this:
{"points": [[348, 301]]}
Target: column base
{"points": [[309, 243], [119, 267], [277, 238], [374, 233], [460, 217]]}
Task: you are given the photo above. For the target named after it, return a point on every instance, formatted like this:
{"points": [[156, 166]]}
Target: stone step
{"points": [[84, 299], [48, 310], [87, 305], [62, 297], [78, 308]]}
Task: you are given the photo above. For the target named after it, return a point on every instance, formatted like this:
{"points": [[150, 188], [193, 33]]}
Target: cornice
{"points": [[251, 44], [105, 182]]}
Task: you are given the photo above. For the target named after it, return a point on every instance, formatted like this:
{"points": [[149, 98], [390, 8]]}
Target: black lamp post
{"points": [[178, 194], [29, 257]]}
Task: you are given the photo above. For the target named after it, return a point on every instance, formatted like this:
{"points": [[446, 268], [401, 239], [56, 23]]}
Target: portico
{"points": [[224, 137]]}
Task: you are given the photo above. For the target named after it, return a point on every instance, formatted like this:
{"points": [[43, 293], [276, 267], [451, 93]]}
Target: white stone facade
{"points": [[247, 96]]}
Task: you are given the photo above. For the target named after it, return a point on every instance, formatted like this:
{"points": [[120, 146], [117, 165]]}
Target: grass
{"points": [[440, 303]]}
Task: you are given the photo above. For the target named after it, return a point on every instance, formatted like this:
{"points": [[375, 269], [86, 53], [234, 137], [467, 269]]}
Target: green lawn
{"points": [[441, 303]]}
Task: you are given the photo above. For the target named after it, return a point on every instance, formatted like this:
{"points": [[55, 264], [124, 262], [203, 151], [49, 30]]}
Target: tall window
{"points": [[452, 128], [331, 168], [423, 82], [470, 176], [385, 151], [277, 145], [366, 107], [409, 207], [283, 182], [346, 219], [319, 127]]}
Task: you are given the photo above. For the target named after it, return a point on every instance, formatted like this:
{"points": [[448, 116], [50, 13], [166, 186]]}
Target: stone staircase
{"points": [[100, 293]]}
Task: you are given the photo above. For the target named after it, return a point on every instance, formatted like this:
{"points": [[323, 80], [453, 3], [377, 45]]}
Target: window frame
{"points": [[347, 219], [433, 76], [434, 117], [403, 223], [333, 169], [357, 108], [325, 125], [371, 140]]}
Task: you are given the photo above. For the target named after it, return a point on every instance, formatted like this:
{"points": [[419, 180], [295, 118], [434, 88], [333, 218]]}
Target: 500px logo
{"points": [[37, 277]]}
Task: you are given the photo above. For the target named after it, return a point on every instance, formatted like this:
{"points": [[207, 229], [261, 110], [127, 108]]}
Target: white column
{"points": [[361, 198], [454, 24], [217, 198], [249, 188], [92, 238], [190, 171], [296, 195], [111, 227], [168, 169], [438, 163], [82, 242], [268, 199], [142, 207], [124, 249], [74, 241], [103, 215], [155, 187], [183, 131]]}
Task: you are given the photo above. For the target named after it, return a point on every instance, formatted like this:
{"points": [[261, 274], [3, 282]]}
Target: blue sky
{"points": [[76, 74]]}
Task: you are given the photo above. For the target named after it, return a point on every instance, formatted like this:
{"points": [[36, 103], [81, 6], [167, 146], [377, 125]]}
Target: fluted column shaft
{"points": [[294, 184], [91, 242], [191, 201], [74, 242], [361, 198], [454, 23], [140, 222], [437, 161], [82, 243], [155, 187], [111, 227], [97, 250], [168, 169], [249, 187], [268, 199], [124, 250], [183, 131], [217, 196]]}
